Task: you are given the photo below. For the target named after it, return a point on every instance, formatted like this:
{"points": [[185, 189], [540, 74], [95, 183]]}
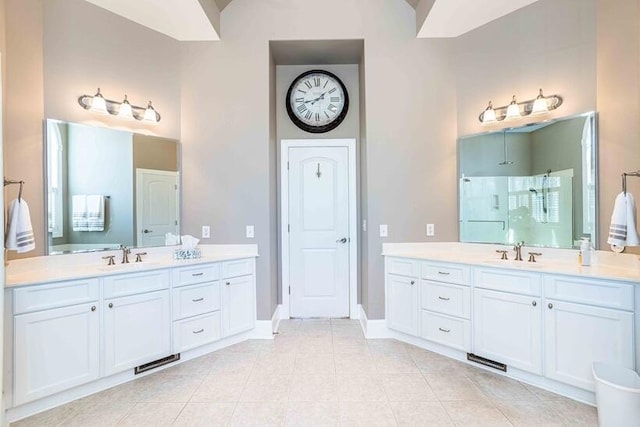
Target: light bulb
{"points": [[150, 115], [513, 110], [489, 115], [98, 104], [540, 105], [125, 111]]}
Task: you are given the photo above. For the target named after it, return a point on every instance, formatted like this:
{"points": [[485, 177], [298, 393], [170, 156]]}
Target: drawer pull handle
{"points": [[199, 331], [93, 308], [110, 305], [550, 306], [198, 299], [533, 303], [445, 330], [444, 298], [197, 274], [444, 273], [413, 282]]}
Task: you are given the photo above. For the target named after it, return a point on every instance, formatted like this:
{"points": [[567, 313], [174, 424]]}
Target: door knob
{"points": [[343, 240], [145, 231]]}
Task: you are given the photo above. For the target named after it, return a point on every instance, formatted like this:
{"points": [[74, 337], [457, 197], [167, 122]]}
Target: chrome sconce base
{"points": [[98, 104]]}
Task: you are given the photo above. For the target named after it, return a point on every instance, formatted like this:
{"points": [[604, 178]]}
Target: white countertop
{"points": [[605, 265], [45, 269]]}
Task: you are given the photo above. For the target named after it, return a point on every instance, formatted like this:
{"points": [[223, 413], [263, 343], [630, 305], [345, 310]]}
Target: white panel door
{"points": [[156, 205], [577, 335], [55, 350], [137, 330], [507, 328], [319, 231]]}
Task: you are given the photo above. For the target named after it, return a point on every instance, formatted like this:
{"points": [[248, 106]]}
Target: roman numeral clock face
{"points": [[317, 101]]}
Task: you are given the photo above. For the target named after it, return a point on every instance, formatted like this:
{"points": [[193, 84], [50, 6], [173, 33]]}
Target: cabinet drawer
{"points": [[402, 267], [600, 293], [241, 267], [508, 281], [455, 333], [62, 294], [136, 283], [448, 273], [194, 300], [448, 299], [191, 333], [195, 274]]}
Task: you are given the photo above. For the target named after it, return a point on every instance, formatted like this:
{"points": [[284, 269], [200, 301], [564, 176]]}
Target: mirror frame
{"points": [[596, 164]]}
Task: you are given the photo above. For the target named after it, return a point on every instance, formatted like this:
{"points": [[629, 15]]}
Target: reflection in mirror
{"points": [[108, 188], [535, 184]]}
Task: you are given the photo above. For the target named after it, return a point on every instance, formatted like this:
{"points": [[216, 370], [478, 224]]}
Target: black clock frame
{"points": [[324, 128]]}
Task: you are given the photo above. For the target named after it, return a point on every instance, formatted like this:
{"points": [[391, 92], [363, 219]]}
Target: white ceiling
{"points": [[183, 20], [452, 18]]}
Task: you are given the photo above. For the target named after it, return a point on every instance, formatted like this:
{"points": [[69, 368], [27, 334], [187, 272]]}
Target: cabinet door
{"points": [[402, 304], [55, 350], [507, 328], [238, 307], [137, 330], [577, 335]]}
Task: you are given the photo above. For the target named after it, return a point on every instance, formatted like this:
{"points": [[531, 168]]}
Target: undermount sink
{"points": [[132, 266], [510, 263]]}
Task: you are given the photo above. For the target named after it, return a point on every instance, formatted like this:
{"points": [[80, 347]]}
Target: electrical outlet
{"points": [[384, 230], [431, 230], [249, 231], [206, 232]]}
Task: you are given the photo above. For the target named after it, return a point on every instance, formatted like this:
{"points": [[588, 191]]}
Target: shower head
{"points": [[505, 163]]}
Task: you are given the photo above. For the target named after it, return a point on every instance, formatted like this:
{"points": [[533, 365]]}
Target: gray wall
{"points": [[481, 155]]}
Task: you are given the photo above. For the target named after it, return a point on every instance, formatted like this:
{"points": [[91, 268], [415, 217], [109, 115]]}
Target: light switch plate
{"points": [[250, 233], [431, 230], [206, 232], [384, 231]]}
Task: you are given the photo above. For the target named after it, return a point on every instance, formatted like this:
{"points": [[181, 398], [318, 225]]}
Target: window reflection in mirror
{"points": [[107, 188], [535, 184]]}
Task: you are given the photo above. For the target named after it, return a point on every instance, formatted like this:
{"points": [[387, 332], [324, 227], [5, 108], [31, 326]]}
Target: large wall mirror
{"points": [[536, 183], [107, 188]]}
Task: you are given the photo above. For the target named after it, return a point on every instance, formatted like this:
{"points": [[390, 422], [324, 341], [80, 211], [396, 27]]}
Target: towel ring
{"points": [[20, 191], [624, 183]]}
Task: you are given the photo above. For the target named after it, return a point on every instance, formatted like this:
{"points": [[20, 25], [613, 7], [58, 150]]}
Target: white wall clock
{"points": [[317, 101]]}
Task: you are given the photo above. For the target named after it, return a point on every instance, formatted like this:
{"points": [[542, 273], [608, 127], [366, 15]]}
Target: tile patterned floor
{"points": [[320, 373]]}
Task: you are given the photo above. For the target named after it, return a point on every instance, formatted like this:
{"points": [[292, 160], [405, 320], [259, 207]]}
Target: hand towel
{"points": [[19, 230], [80, 216], [171, 239], [623, 230], [95, 213]]}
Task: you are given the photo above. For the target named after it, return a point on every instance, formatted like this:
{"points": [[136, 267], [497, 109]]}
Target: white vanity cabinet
{"points": [[586, 321], [58, 347], [238, 296], [402, 295], [507, 319]]}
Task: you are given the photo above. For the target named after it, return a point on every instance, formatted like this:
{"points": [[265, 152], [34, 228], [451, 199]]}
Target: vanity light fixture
{"points": [[515, 110], [99, 104]]}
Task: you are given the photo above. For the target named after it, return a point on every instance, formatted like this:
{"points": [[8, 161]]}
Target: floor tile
{"points": [[106, 414], [502, 388], [172, 388], [362, 363], [448, 387], [402, 363], [275, 363], [313, 388], [199, 366], [529, 413], [387, 346], [258, 414], [240, 363], [52, 417], [475, 413], [421, 414], [366, 414], [151, 414], [262, 387], [312, 414], [220, 388], [575, 413], [360, 388], [314, 363], [205, 414], [406, 387]]}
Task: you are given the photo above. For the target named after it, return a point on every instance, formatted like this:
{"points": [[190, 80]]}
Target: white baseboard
{"points": [[275, 319], [264, 329], [373, 329]]}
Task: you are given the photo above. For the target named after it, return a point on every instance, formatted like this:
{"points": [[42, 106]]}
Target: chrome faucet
{"points": [[125, 254], [518, 249]]}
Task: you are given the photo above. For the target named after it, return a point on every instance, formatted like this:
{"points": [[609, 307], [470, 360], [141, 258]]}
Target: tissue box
{"points": [[186, 254]]}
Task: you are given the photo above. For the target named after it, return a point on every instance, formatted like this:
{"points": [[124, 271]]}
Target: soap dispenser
{"points": [[585, 250]]}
